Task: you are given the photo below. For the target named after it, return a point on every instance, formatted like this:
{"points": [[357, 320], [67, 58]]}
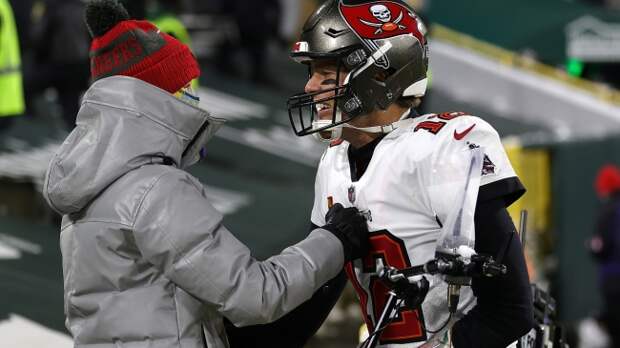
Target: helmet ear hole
{"points": [[409, 102], [383, 75]]}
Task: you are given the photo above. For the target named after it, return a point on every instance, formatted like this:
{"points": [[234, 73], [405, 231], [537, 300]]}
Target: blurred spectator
{"points": [[23, 12], [258, 23], [611, 4], [591, 335], [136, 8], [11, 92], [164, 16], [290, 21], [605, 246], [60, 44]]}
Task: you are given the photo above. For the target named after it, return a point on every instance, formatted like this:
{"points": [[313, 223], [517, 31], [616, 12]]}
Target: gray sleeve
{"points": [[180, 233]]}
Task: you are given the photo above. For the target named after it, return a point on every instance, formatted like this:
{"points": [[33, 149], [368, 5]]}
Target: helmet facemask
{"points": [[304, 108]]}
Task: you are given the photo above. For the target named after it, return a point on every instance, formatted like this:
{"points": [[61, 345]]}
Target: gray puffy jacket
{"points": [[146, 259]]}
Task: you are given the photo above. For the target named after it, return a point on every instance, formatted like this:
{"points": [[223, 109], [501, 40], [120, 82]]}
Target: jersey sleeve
{"points": [[460, 135], [498, 178]]}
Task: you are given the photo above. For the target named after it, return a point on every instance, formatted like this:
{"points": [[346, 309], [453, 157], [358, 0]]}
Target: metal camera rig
{"points": [[409, 287], [547, 333]]}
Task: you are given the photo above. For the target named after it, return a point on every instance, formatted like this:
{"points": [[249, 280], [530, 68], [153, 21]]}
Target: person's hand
{"points": [[350, 227]]}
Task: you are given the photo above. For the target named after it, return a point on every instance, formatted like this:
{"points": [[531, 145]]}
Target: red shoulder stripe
{"points": [[335, 142], [450, 115]]}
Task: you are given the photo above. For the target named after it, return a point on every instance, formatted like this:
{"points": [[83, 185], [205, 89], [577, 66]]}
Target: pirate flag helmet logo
{"points": [[380, 20]]}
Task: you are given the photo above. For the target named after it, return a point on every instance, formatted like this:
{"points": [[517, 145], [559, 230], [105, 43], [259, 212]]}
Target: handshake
{"points": [[349, 225]]}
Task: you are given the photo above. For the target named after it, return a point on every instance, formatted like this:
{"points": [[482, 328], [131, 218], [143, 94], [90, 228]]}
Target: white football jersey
{"points": [[404, 216]]}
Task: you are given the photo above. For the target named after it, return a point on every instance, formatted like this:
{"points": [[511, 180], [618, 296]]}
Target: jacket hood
{"points": [[123, 124]]}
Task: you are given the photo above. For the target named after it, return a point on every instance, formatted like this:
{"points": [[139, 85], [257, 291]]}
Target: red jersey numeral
{"points": [[435, 126], [408, 326], [431, 126]]}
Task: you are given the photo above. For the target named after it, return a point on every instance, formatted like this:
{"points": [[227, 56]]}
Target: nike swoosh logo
{"points": [[461, 135]]}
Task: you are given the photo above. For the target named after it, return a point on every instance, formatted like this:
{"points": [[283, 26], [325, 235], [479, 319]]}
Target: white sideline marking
{"points": [[230, 107], [11, 248], [19, 332], [28, 163], [277, 141], [8, 252], [226, 201], [21, 244]]}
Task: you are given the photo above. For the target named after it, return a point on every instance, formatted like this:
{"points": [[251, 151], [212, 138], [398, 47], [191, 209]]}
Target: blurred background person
{"points": [[163, 13], [59, 42], [258, 24], [605, 247], [136, 8], [23, 12], [11, 93], [165, 17]]}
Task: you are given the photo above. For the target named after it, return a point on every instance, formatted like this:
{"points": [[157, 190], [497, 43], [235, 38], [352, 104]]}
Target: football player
{"points": [[367, 65]]}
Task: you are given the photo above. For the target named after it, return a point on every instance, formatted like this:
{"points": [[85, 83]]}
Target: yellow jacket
{"points": [[11, 90]]}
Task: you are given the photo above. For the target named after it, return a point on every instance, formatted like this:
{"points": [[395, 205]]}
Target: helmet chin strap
{"points": [[336, 132], [384, 128], [380, 129]]}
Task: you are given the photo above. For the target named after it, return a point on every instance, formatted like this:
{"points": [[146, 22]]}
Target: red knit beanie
{"points": [[134, 48], [607, 180]]}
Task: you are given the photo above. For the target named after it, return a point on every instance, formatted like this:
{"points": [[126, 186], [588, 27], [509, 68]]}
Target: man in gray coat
{"points": [[146, 259]]}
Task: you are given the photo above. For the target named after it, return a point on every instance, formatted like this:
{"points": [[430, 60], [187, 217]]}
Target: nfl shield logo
{"points": [[352, 194]]}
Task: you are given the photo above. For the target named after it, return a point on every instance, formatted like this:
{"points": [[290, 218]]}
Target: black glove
{"points": [[413, 293], [350, 227]]}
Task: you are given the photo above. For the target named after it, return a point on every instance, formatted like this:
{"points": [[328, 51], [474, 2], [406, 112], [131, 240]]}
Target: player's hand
{"points": [[350, 227]]}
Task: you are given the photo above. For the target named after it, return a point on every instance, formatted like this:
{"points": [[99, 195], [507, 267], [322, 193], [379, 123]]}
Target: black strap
{"points": [[168, 161], [163, 159]]}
